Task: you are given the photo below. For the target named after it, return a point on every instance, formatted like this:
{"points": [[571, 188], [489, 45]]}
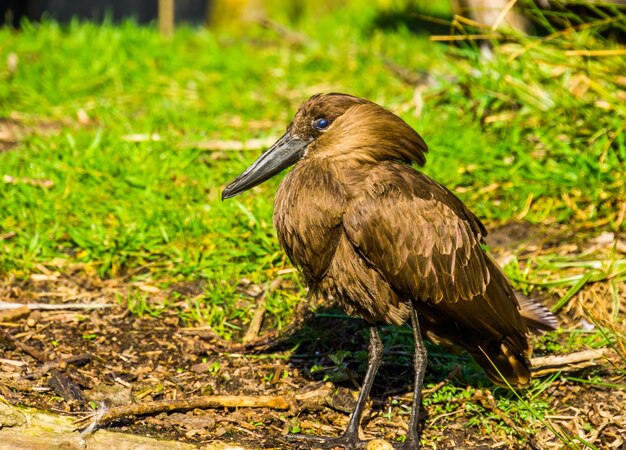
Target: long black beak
{"points": [[284, 153]]}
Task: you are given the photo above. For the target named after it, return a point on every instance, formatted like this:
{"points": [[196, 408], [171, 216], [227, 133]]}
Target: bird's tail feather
{"points": [[503, 361], [503, 364], [538, 318]]}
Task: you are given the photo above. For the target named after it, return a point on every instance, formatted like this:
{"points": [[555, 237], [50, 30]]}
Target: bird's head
{"points": [[339, 128]]}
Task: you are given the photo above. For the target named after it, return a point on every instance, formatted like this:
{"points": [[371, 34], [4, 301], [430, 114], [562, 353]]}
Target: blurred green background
{"points": [[117, 141]]}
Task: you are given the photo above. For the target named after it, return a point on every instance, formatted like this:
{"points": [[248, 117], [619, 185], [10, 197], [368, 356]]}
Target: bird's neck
{"points": [[350, 173]]}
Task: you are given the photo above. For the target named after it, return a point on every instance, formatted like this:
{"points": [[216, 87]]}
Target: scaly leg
{"points": [[350, 438], [419, 364]]}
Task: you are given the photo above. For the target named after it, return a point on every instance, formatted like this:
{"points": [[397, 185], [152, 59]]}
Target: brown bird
{"points": [[390, 243]]}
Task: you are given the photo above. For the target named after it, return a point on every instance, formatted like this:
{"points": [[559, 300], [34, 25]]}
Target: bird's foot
{"points": [[347, 441]]}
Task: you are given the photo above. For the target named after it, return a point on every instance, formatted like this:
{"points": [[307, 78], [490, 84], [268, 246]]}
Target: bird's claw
{"points": [[347, 441]]}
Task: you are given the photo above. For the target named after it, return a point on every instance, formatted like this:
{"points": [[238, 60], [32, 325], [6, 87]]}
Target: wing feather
{"points": [[421, 237]]}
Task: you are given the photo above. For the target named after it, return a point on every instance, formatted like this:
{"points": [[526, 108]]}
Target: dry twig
{"points": [[252, 334], [574, 361], [53, 307], [205, 402]]}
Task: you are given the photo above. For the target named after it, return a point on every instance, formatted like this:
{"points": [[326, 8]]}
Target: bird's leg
{"points": [[350, 438], [374, 359], [419, 365]]}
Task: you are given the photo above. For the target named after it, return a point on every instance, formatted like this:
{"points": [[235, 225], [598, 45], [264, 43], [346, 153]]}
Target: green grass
{"points": [[533, 133], [124, 208]]}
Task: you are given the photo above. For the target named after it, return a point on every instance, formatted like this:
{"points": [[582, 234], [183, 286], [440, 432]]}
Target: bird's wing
{"points": [[419, 235]]}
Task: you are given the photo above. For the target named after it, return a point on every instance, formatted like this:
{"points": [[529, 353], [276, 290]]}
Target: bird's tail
{"points": [[538, 318], [504, 363]]}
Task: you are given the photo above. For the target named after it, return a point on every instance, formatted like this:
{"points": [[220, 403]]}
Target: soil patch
{"points": [[74, 361]]}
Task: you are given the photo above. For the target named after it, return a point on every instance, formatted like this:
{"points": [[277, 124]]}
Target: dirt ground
{"points": [[69, 361]]}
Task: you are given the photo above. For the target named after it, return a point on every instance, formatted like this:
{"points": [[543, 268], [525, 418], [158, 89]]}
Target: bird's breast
{"points": [[308, 214]]}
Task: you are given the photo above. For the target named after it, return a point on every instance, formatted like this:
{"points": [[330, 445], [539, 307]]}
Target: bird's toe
{"points": [[347, 441]]}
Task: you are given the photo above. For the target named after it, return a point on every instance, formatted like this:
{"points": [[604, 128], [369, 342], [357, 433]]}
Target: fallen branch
{"points": [[544, 365], [205, 402], [54, 307]]}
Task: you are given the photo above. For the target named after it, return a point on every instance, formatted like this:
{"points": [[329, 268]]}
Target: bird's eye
{"points": [[321, 124]]}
